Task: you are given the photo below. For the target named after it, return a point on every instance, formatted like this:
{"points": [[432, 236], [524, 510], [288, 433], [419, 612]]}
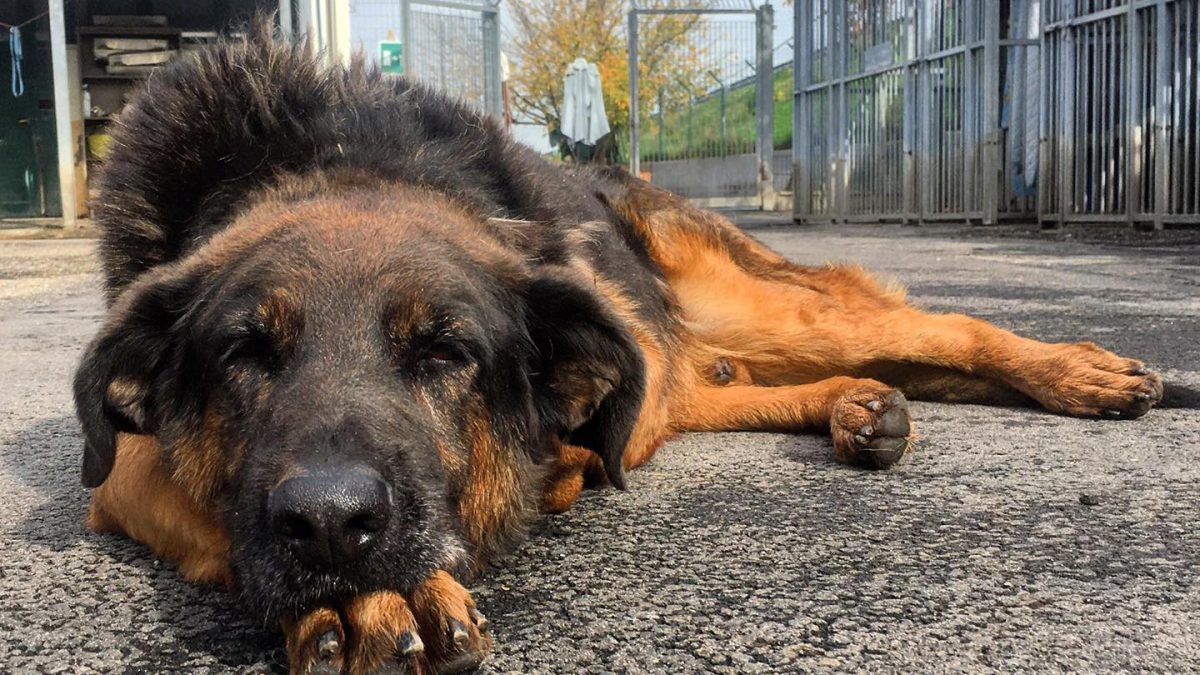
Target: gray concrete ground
{"points": [[735, 553]]}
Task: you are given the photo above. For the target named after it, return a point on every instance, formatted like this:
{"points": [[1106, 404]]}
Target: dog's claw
{"points": [[1141, 397], [860, 440], [874, 406], [866, 430], [329, 645], [1112, 413], [410, 644], [459, 636], [481, 621]]}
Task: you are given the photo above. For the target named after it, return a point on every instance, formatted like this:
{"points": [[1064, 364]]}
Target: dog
{"points": [[357, 339]]}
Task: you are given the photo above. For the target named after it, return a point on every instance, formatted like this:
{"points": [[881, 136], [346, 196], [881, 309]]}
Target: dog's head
{"points": [[364, 380]]}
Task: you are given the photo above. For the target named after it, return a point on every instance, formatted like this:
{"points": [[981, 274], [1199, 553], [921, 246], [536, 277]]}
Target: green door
{"points": [[28, 151]]}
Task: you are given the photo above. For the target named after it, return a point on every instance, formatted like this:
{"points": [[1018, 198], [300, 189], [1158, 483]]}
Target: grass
{"points": [[695, 131]]}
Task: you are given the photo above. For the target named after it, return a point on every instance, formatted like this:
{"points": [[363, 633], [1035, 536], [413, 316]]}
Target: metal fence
{"points": [[703, 78], [1122, 124], [451, 45], [914, 109], [1065, 110]]}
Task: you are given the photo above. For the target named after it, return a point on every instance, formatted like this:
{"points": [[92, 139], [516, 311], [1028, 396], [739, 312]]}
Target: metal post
{"points": [[765, 90], [1135, 125], [494, 98], [991, 169], [286, 26], [972, 136], [1162, 89], [724, 122], [801, 117], [662, 120], [1066, 124], [635, 163], [839, 175], [909, 198], [406, 33], [63, 135]]}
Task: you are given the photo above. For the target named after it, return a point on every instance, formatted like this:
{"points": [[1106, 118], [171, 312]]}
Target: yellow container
{"points": [[98, 144]]}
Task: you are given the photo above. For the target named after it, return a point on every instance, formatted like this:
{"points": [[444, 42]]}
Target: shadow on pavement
{"points": [[140, 603]]}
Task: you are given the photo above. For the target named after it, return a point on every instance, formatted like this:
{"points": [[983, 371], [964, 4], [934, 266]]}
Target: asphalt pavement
{"points": [[1011, 540]]}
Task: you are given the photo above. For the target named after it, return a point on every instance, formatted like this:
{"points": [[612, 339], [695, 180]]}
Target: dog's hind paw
{"points": [[1088, 381]]}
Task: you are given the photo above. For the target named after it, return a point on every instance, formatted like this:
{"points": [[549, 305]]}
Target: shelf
{"points": [[129, 31], [106, 76]]}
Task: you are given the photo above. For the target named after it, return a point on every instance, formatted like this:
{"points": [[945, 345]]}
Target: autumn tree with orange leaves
{"points": [[548, 36]]}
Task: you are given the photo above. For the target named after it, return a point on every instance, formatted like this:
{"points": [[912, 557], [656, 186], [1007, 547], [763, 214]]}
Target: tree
{"points": [[548, 36]]}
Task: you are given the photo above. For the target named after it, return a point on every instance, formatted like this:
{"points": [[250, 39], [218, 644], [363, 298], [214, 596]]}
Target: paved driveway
{"points": [[735, 553]]}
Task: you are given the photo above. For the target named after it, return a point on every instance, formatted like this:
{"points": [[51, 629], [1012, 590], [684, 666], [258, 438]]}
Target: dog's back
{"points": [[208, 136]]}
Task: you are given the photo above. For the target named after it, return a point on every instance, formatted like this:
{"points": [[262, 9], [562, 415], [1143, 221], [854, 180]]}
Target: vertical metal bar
{"points": [[968, 131], [1066, 125], [801, 115], [1195, 96], [991, 168], [1046, 144], [1112, 127], [661, 122], [406, 38], [63, 136], [765, 114], [908, 115], [635, 161], [1091, 95], [1187, 101], [1163, 97], [1103, 102], [923, 103], [491, 61], [837, 40], [286, 25], [1135, 122]]}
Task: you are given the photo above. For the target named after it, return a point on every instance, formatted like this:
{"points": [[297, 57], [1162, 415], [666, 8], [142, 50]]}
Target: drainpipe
{"points": [[65, 139]]}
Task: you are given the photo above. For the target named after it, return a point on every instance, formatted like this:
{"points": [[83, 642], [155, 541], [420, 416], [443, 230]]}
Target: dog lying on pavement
{"points": [[358, 338]]}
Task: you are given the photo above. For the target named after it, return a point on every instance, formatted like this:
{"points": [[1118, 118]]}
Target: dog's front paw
{"points": [[316, 643], [871, 427], [436, 629], [457, 635]]}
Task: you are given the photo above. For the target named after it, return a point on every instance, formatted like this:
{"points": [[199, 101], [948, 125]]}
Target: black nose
{"points": [[331, 515]]}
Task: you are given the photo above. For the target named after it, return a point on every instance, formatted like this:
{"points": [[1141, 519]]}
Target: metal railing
{"points": [[898, 110], [1064, 110], [1121, 133]]}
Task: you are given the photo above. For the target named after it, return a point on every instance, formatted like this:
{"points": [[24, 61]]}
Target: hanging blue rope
{"points": [[15, 54]]}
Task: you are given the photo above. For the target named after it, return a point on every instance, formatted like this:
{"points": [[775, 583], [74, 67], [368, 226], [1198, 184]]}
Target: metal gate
{"points": [[451, 45], [915, 109], [1122, 124], [703, 125]]}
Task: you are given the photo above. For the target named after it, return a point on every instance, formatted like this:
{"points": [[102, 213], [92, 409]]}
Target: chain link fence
{"points": [[453, 46], [703, 125]]}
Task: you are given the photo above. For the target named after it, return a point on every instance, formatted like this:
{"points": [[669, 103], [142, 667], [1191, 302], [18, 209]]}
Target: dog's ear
{"points": [[116, 380], [588, 374]]}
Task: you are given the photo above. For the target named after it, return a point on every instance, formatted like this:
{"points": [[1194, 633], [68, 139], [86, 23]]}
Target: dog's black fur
{"points": [[196, 156]]}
